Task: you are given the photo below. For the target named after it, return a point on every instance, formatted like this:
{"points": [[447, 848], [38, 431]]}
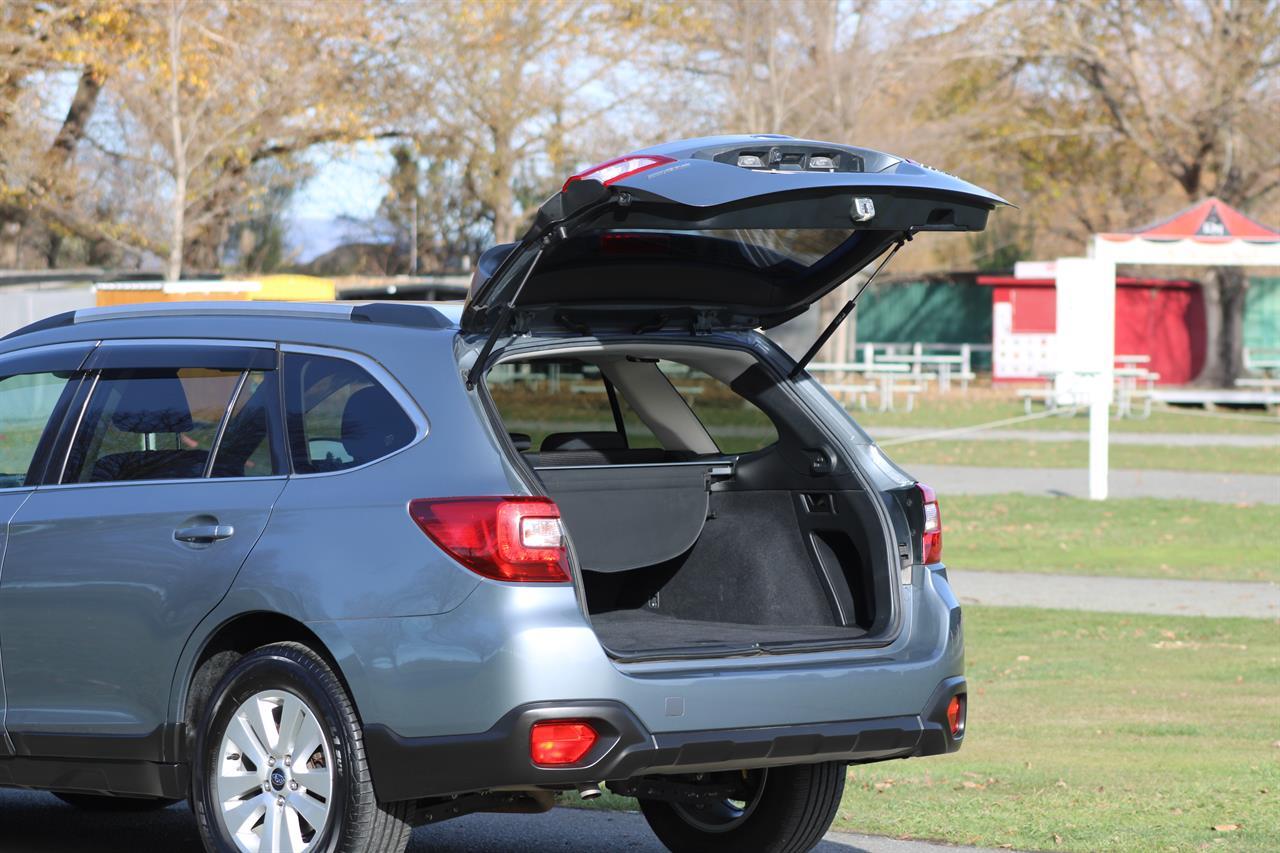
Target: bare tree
{"points": [[513, 92], [1176, 100], [221, 90]]}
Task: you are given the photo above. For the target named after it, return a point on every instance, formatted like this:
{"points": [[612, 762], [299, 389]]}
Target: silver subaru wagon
{"points": [[331, 572]]}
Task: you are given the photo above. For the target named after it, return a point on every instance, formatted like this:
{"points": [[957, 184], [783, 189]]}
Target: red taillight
{"points": [[560, 742], [931, 540], [507, 539], [955, 715], [616, 170]]}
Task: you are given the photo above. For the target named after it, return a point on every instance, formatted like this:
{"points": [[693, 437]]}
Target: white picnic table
{"points": [[1128, 378], [885, 375], [948, 365]]}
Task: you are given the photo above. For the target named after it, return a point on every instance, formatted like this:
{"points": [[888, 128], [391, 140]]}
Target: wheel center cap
{"points": [[277, 779]]}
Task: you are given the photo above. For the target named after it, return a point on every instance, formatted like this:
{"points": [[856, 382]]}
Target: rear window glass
{"points": [[779, 250], [339, 416], [246, 448], [733, 422], [154, 424], [562, 403], [556, 398]]}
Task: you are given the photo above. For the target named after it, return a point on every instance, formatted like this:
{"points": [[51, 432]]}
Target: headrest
{"points": [[583, 441], [153, 404], [373, 424]]}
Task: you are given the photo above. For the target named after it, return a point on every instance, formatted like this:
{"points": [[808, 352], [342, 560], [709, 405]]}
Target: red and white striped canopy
{"points": [[1209, 233]]}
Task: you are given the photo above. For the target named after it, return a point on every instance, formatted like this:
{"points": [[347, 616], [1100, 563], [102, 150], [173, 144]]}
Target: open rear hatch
{"points": [[694, 552], [718, 233]]}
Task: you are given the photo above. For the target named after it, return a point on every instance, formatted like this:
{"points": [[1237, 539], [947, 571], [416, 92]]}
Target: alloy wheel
{"points": [[274, 775]]}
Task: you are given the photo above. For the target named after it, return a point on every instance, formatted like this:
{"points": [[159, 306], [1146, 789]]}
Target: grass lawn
{"points": [[1095, 732], [984, 405], [1098, 732], [1075, 454], [1130, 537]]}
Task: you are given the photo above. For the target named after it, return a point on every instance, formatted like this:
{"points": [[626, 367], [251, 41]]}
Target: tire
{"points": [[104, 803], [790, 811], [323, 803]]}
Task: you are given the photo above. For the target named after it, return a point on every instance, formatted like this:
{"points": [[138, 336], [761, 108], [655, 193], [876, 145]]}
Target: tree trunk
{"points": [[177, 225], [504, 217], [1224, 297], [88, 88]]}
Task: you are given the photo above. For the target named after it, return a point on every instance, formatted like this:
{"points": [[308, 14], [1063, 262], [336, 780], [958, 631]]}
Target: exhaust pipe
{"points": [[588, 791]]}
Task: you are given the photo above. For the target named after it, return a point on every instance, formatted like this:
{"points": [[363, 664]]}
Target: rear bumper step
{"points": [[412, 768]]}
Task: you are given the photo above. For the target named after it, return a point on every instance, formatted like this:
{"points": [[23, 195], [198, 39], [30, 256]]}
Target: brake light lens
{"points": [[931, 540], [504, 538], [616, 170], [559, 742]]}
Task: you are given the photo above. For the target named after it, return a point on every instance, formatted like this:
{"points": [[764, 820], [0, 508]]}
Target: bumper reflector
{"points": [[554, 743], [955, 715]]}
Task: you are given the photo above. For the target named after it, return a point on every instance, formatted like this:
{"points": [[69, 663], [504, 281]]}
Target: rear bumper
{"points": [[410, 768]]}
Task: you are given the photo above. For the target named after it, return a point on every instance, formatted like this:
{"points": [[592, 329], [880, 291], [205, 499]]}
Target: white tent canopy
{"points": [[1210, 233]]}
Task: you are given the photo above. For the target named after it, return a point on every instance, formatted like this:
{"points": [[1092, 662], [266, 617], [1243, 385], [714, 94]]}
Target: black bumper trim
{"points": [[412, 768]]}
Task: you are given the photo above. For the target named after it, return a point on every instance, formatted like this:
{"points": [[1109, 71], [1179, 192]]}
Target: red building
{"points": [[1161, 318]]}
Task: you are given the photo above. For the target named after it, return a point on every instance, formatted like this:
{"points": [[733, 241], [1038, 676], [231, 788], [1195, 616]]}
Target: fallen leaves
{"points": [[1226, 827]]}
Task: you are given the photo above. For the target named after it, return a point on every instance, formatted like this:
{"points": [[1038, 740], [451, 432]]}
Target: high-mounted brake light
{"points": [[616, 170], [559, 742], [503, 538], [931, 540]]}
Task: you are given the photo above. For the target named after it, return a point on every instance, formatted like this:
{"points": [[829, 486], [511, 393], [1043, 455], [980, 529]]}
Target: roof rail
{"points": [[411, 315]]}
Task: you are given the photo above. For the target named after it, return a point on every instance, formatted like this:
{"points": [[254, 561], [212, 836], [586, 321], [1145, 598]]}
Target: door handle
{"points": [[204, 533]]}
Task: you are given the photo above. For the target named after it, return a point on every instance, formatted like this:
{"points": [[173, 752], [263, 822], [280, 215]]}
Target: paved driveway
{"points": [[38, 823], [1164, 596], [1074, 482]]}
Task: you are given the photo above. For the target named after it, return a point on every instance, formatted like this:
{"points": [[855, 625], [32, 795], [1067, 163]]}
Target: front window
{"points": [[26, 403]]}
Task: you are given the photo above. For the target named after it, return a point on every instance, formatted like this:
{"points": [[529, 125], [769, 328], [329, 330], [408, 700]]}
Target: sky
{"points": [[349, 182]]}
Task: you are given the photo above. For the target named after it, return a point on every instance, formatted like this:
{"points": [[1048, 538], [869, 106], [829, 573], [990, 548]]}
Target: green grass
{"points": [[984, 405], [1127, 537], [1095, 732], [1075, 454]]}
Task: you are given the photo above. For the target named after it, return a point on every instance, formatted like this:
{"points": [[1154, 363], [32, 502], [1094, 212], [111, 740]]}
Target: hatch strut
{"points": [[844, 312], [473, 376]]}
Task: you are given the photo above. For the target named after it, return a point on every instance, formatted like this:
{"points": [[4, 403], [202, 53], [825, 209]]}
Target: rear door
{"points": [[724, 232], [162, 483], [36, 386]]}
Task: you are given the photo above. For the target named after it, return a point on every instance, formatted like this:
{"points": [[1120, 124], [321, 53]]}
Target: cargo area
{"points": [[688, 487]]}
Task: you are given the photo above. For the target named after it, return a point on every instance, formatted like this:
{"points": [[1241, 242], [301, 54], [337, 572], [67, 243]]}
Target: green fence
{"points": [[1262, 314], [931, 312]]}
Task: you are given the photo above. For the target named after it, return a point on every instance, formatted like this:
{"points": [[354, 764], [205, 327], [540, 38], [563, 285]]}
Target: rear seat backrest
{"points": [[599, 448]]}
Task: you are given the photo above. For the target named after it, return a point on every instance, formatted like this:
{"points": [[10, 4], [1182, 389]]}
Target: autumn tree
{"points": [[514, 93], [1119, 106], [41, 43], [226, 87]]}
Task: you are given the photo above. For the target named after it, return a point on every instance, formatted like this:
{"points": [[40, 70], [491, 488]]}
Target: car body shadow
{"points": [[36, 822]]}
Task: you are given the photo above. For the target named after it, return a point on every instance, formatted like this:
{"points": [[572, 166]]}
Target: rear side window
{"points": [[735, 424], [26, 402], [562, 399], [150, 424], [338, 416]]}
